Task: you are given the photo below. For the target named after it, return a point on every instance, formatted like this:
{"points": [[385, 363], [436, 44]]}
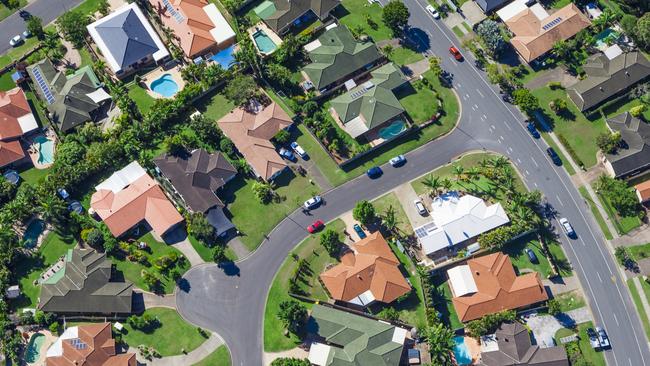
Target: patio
{"points": [[34, 149], [174, 73]]}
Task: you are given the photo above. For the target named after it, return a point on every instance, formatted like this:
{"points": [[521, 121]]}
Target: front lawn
{"points": [[570, 301], [6, 11], [172, 336], [381, 205], [623, 224], [419, 102], [318, 258], [403, 56], [325, 164], [206, 253], [594, 210], [6, 83], [590, 355], [354, 14], [519, 258], [142, 99], [639, 305], [639, 252], [220, 357]]}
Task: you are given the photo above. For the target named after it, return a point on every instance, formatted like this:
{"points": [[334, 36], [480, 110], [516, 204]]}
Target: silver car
{"points": [[15, 41], [420, 207], [566, 226]]}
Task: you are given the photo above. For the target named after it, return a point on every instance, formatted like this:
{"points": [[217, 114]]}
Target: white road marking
{"points": [[464, 98], [492, 126], [583, 242], [452, 61], [535, 183], [534, 162], [479, 93], [476, 106], [527, 172], [510, 149], [618, 325], [599, 278], [559, 200], [501, 137], [518, 160], [458, 83], [467, 95], [484, 116]]}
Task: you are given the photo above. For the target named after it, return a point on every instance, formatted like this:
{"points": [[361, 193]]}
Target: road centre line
{"points": [[599, 278], [534, 162], [559, 200], [479, 93]]}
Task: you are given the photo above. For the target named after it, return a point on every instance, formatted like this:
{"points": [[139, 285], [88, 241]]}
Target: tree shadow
{"points": [[416, 40], [230, 268], [184, 285]]}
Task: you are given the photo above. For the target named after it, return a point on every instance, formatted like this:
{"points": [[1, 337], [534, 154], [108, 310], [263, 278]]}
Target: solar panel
{"points": [[552, 23], [178, 16], [78, 344], [43, 85]]}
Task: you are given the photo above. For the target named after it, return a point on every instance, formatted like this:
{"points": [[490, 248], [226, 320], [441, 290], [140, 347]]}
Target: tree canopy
{"points": [[396, 16], [364, 212]]}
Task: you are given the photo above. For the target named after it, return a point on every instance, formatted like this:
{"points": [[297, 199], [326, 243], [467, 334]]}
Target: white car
{"points": [[433, 12], [399, 160], [298, 149], [16, 41], [312, 202], [420, 207], [566, 226]]}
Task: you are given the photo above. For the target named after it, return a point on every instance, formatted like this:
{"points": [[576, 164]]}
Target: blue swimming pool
{"points": [[165, 86], [33, 350], [45, 150], [393, 130], [32, 232], [608, 35], [225, 57], [264, 43], [461, 352]]}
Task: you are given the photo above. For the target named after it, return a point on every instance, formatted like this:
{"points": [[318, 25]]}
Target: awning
{"points": [[461, 281], [219, 221], [99, 95], [319, 353]]}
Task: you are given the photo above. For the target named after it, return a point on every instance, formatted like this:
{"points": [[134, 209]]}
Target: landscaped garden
{"points": [[142, 99], [580, 349]]}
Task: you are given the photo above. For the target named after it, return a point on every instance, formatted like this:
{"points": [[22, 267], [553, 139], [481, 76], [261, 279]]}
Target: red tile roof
{"points": [[97, 349], [10, 152], [13, 105]]}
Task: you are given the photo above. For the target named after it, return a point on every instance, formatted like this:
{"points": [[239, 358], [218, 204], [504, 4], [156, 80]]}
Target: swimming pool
{"points": [[165, 86], [32, 232], [392, 131], [225, 57], [606, 36], [461, 352], [45, 150], [33, 351], [264, 42]]}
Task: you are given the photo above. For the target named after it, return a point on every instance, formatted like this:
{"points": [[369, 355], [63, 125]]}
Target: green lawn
{"points": [[6, 83], [33, 176], [639, 305], [622, 224], [639, 252], [172, 336], [311, 250], [561, 333], [206, 253], [443, 304], [459, 33], [594, 210], [590, 355], [520, 259], [140, 96], [419, 102], [6, 11], [405, 56], [86, 58], [132, 270], [565, 163], [327, 166], [624, 105], [353, 14], [571, 300], [381, 205], [214, 106], [220, 357]]}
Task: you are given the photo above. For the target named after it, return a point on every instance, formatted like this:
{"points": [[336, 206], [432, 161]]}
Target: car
{"points": [[298, 150], [15, 41], [593, 338], [359, 231], [532, 257], [433, 12], [399, 160], [420, 207], [317, 226], [24, 14], [602, 338], [313, 202], [533, 131], [456, 53], [374, 172], [554, 156], [26, 34], [566, 226], [287, 154]]}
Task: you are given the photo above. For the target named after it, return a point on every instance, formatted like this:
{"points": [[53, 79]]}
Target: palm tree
{"points": [[459, 172], [433, 183], [606, 18], [50, 44], [561, 50], [473, 173], [446, 184], [389, 219], [499, 162], [441, 344]]}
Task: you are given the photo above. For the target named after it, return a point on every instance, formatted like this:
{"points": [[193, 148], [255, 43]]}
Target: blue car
{"points": [[287, 154], [533, 131], [532, 257], [374, 172], [359, 231]]}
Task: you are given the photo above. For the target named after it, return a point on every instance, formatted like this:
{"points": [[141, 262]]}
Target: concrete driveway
{"points": [[406, 196]]}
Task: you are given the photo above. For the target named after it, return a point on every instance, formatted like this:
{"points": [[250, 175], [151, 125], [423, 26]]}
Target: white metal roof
{"points": [[461, 280], [364, 299], [356, 127], [56, 349], [539, 11], [222, 31], [122, 178], [613, 52], [312, 45], [399, 335], [319, 353], [512, 9], [27, 123], [99, 95]]}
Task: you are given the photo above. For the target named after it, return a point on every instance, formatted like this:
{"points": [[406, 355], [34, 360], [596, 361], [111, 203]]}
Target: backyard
{"points": [[214, 105], [443, 304], [142, 99]]}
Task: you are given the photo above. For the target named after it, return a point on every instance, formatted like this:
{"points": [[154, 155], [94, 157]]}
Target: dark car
{"points": [[287, 154], [374, 172], [317, 226], [532, 257], [24, 14], [533, 131], [359, 231], [554, 156], [593, 338]]}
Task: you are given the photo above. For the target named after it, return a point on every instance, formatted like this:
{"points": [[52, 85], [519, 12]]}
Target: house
{"points": [[457, 220], [85, 285], [514, 348], [633, 155], [251, 130], [368, 273], [609, 74], [343, 338], [536, 31], [198, 25], [72, 99], [371, 105], [489, 284], [129, 197], [195, 178], [337, 56], [489, 5], [283, 14], [126, 40], [16, 120], [87, 345], [643, 191]]}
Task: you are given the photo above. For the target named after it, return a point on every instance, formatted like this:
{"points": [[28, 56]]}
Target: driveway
{"points": [[544, 327], [406, 196]]}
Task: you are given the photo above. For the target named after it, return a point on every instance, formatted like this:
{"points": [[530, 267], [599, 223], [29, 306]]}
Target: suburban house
{"points": [[609, 74], [84, 284], [251, 130], [536, 31], [72, 99], [337, 56], [281, 15], [343, 338], [87, 345], [367, 273], [633, 155], [126, 40], [643, 191], [489, 5], [489, 284], [457, 219], [16, 120], [129, 197], [198, 25], [511, 346], [364, 109], [194, 179]]}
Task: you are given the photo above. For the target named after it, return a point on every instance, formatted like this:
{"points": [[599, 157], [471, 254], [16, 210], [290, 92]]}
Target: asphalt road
{"points": [[231, 301], [48, 10]]}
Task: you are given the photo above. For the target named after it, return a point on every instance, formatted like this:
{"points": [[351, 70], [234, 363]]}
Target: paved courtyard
{"points": [[544, 327]]}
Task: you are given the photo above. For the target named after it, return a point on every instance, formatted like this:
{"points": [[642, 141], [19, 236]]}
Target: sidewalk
{"points": [[638, 236], [188, 251], [203, 351], [568, 284]]}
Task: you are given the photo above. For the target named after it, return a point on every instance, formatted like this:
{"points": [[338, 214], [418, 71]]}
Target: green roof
{"points": [[356, 340], [338, 56], [371, 104]]}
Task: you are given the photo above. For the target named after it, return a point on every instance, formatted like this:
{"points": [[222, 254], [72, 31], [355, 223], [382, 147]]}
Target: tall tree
{"points": [[396, 16], [433, 183], [389, 219], [441, 344], [292, 313], [364, 212], [491, 35], [241, 89], [72, 24], [35, 26]]}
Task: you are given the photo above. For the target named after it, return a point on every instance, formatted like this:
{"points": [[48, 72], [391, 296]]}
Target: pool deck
{"points": [[33, 148], [49, 340], [175, 73], [269, 32]]}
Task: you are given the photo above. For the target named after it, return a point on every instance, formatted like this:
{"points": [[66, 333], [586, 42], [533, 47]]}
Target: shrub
{"points": [[570, 150], [95, 238], [489, 323], [608, 142], [55, 328], [263, 191], [554, 85], [554, 307], [638, 110], [389, 313], [364, 212]]}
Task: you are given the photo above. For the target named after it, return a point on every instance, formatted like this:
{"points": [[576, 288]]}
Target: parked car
{"points": [[593, 338], [374, 172], [24, 14], [533, 131], [298, 150], [456, 53], [566, 226], [532, 257], [313, 202], [554, 156], [359, 231], [317, 226], [399, 160], [602, 338], [420, 207], [433, 12], [15, 41], [27, 34], [287, 154]]}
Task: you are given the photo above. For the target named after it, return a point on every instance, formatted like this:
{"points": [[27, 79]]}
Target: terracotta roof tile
{"points": [[10, 152], [13, 105], [98, 349], [643, 190]]}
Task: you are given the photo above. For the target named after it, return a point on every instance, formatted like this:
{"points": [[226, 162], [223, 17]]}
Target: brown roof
{"points": [[94, 346], [141, 200], [251, 133], [531, 40], [371, 265], [498, 288], [13, 105], [10, 152], [643, 190]]}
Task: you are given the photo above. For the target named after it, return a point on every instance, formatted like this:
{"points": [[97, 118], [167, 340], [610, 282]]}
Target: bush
{"points": [[638, 110], [489, 323], [55, 328], [331, 241], [620, 195], [554, 307], [608, 142], [570, 150], [263, 191], [95, 238], [389, 313], [554, 85], [364, 212]]}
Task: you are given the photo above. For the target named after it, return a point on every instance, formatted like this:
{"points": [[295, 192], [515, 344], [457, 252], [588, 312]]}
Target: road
{"points": [[231, 301], [48, 10]]}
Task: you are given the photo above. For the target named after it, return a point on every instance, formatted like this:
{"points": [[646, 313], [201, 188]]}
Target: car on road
{"points": [[357, 228], [602, 338], [456, 53], [433, 12], [566, 226], [317, 226], [530, 126], [298, 150], [287, 154], [15, 41], [374, 172], [420, 207], [313, 202], [399, 160], [532, 257], [24, 14], [593, 338], [554, 156]]}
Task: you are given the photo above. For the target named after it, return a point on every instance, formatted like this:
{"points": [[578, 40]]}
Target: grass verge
{"points": [[594, 210], [220, 357], [636, 297]]}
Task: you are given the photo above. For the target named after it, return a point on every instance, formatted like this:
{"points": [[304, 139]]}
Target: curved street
{"points": [[231, 301]]}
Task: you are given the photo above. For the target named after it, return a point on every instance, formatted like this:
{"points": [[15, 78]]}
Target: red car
{"points": [[456, 53], [318, 225]]}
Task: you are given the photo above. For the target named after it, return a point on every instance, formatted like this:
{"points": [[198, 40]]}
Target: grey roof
{"points": [[634, 154], [287, 11], [515, 348], [86, 287], [607, 78], [126, 38], [196, 176], [489, 5]]}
